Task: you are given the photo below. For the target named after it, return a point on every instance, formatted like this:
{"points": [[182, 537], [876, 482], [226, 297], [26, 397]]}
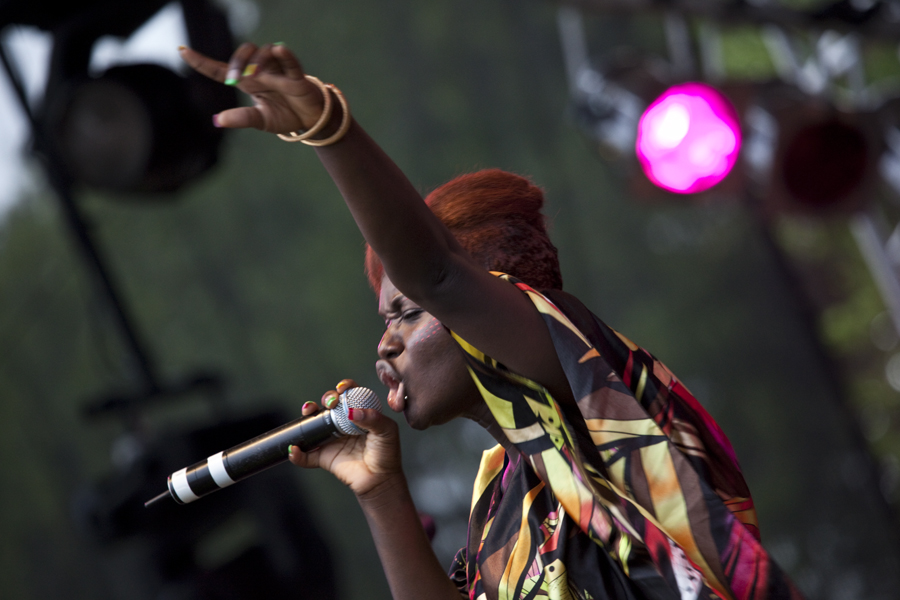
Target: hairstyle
{"points": [[496, 216]]}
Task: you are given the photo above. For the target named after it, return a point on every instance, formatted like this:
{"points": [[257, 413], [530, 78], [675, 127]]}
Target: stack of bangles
{"points": [[327, 89]]}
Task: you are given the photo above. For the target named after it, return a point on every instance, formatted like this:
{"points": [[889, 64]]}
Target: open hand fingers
{"points": [[274, 58], [307, 460], [330, 399], [344, 385], [239, 61], [288, 62]]}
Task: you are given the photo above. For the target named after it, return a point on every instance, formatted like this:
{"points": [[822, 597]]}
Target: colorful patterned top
{"points": [[634, 493]]}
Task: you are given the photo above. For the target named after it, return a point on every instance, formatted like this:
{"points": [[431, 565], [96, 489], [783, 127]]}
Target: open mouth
{"points": [[391, 379]]}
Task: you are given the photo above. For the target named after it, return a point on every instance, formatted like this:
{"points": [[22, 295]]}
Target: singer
{"points": [[609, 481]]}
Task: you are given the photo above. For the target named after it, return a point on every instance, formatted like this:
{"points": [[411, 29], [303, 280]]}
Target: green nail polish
{"points": [[278, 44], [231, 81], [290, 448]]}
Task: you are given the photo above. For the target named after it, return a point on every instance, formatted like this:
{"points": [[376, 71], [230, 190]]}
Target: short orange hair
{"points": [[496, 216]]}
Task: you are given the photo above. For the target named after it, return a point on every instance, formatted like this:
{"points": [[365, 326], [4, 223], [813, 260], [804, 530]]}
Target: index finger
{"points": [[214, 69]]}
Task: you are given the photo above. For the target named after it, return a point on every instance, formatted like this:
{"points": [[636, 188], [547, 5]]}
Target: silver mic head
{"points": [[358, 397]]}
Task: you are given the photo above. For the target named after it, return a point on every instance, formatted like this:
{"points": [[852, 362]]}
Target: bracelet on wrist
{"points": [[297, 136], [304, 137]]}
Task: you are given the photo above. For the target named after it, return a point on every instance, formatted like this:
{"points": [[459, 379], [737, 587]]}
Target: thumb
{"points": [[373, 421], [240, 118]]}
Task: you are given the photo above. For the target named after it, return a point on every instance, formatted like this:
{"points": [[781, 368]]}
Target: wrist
{"points": [[390, 492]]}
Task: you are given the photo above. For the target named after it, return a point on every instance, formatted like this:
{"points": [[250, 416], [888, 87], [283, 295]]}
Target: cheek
{"points": [[427, 332]]}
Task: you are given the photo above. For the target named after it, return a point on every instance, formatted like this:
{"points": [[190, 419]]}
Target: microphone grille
{"points": [[358, 397]]}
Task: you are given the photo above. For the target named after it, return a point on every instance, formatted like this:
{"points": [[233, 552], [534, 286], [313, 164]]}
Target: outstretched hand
{"points": [[362, 462], [283, 99]]}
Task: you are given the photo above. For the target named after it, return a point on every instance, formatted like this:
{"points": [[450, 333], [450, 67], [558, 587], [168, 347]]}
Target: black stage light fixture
{"points": [[825, 163], [258, 541], [822, 161], [136, 127]]}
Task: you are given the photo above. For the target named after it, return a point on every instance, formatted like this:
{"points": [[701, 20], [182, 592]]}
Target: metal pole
{"points": [[62, 184]]}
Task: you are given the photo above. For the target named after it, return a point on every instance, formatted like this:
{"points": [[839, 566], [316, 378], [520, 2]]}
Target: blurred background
{"points": [[167, 291]]}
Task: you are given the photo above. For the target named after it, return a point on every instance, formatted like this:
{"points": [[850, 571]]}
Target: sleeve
{"points": [[636, 488]]}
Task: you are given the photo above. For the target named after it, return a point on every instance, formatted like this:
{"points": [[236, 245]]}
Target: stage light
{"points": [[139, 128], [688, 139], [824, 163]]}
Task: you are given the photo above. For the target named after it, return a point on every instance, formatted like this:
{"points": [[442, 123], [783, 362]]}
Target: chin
{"points": [[414, 422], [421, 422]]}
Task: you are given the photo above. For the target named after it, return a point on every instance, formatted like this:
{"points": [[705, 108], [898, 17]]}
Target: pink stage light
{"points": [[688, 139]]}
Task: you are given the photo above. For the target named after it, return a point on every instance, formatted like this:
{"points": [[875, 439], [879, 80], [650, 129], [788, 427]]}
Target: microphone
{"points": [[267, 450]]}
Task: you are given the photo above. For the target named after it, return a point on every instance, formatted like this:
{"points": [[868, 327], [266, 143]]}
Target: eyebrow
{"points": [[392, 305]]}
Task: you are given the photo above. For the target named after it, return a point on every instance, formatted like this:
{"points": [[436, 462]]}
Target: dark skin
{"points": [[428, 276]]}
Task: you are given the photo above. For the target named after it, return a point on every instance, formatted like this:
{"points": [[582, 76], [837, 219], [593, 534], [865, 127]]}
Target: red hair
{"points": [[496, 216]]}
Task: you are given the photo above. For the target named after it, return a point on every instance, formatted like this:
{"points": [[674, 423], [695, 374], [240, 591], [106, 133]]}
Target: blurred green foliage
{"points": [[745, 56]]}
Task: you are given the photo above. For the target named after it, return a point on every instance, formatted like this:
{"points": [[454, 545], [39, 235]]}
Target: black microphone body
{"points": [[267, 450]]}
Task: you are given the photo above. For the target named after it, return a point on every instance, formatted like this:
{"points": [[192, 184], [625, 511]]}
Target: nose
{"points": [[391, 344]]}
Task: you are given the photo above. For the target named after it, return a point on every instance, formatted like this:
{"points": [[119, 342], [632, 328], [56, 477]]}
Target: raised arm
{"points": [[420, 256]]}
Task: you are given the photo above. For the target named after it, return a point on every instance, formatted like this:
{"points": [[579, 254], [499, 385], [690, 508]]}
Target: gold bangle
{"points": [[294, 136], [345, 121]]}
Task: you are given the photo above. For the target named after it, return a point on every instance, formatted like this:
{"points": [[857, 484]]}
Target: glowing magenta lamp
{"points": [[688, 139]]}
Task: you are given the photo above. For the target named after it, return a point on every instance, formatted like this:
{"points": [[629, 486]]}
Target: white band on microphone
{"points": [[216, 466], [181, 487]]}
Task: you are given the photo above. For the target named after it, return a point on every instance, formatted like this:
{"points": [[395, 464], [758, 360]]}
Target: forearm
{"points": [[411, 567], [413, 245]]}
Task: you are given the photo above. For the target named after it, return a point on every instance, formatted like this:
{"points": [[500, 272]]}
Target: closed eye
{"points": [[411, 314], [408, 315]]}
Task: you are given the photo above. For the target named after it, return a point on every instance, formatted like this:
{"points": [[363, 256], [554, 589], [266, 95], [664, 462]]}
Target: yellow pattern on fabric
{"points": [[642, 383], [547, 308], [471, 350], [668, 502], [624, 551], [549, 421], [557, 581], [683, 434], [518, 559], [747, 516], [525, 434], [608, 430], [500, 408], [592, 353], [491, 464], [615, 470], [631, 345], [574, 496]]}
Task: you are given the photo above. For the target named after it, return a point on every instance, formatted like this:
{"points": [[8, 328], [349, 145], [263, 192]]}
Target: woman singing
{"points": [[609, 480]]}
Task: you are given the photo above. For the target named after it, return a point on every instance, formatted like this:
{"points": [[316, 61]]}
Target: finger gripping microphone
{"points": [[269, 449]]}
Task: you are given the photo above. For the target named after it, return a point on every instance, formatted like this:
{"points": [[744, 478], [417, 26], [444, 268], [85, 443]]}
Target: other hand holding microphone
{"points": [[363, 462]]}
